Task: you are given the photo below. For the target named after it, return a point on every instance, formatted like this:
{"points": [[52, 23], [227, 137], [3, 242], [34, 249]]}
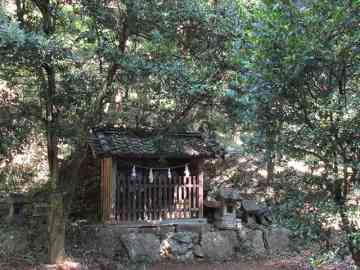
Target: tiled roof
{"points": [[108, 141]]}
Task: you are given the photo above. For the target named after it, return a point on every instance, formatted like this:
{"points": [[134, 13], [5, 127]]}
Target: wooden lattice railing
{"points": [[139, 200]]}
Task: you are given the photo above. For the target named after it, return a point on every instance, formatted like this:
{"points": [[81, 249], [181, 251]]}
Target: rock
{"points": [[40, 209], [160, 231], [165, 230], [250, 206], [173, 248], [198, 252], [242, 232], [216, 246], [142, 247], [259, 212], [252, 240], [183, 237], [105, 239], [186, 257], [251, 223], [232, 237], [256, 241], [278, 239], [4, 210], [179, 245], [231, 194], [38, 240], [196, 228], [13, 241]]}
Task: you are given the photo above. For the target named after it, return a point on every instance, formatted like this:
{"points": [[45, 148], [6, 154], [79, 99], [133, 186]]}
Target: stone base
{"points": [[179, 242]]}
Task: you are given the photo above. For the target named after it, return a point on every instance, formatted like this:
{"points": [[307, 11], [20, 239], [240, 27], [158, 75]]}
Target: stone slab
{"points": [[216, 247]]}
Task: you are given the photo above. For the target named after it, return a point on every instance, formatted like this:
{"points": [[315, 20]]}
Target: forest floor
{"points": [[291, 263], [296, 264]]}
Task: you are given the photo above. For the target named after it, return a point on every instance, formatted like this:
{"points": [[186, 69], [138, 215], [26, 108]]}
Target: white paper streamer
{"points": [[169, 173], [187, 172], [151, 176], [133, 173]]}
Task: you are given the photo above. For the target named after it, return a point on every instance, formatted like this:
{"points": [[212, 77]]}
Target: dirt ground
{"points": [[293, 264], [290, 263], [211, 266], [18, 264]]}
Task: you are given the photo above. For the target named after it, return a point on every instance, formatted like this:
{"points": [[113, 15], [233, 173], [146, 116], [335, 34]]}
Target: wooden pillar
{"points": [[114, 188], [201, 195], [106, 189]]}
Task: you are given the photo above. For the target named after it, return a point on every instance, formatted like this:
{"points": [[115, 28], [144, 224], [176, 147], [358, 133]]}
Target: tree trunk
{"points": [[349, 230], [270, 141], [20, 11], [270, 170], [56, 222], [56, 229], [340, 199]]}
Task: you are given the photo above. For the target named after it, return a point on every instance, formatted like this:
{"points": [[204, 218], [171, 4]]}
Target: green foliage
{"points": [[355, 239], [290, 83], [316, 260], [167, 62], [306, 208], [170, 59], [302, 216]]}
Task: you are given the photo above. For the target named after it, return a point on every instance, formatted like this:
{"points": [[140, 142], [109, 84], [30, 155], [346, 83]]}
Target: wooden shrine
{"points": [[150, 176]]}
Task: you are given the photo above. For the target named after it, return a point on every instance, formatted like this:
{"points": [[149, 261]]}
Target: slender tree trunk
{"points": [[56, 221], [20, 11], [270, 166], [270, 142], [341, 196], [349, 230]]}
